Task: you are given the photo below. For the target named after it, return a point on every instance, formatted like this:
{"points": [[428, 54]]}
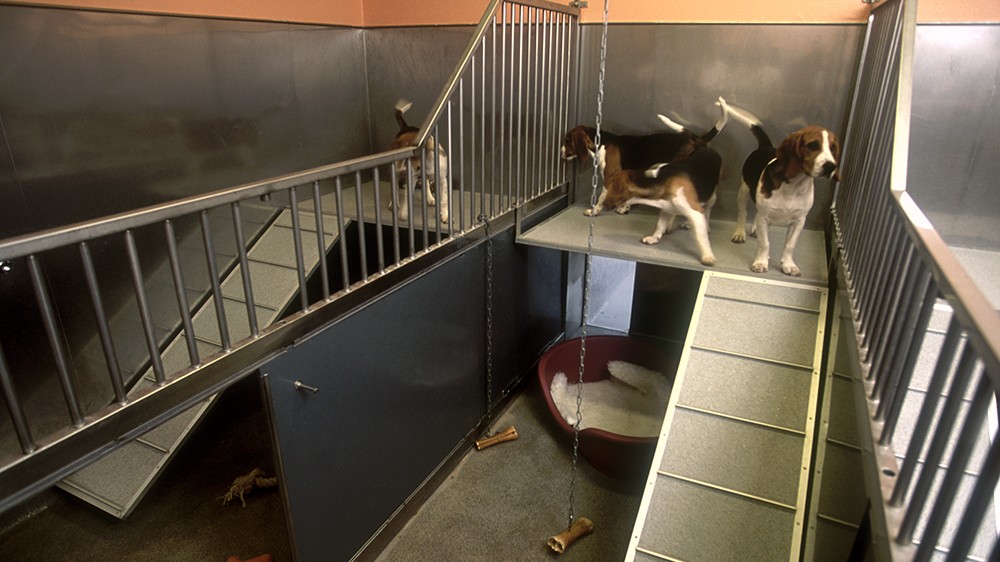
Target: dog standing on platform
{"points": [[780, 183], [434, 180], [677, 188], [637, 152]]}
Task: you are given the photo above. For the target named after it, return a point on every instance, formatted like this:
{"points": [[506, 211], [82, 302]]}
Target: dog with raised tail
{"points": [[637, 152], [780, 183], [434, 179], [677, 188]]}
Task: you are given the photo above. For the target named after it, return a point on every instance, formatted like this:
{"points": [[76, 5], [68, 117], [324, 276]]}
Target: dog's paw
{"points": [[650, 240], [789, 268], [623, 209], [686, 225], [592, 211], [444, 216], [758, 267], [739, 236], [708, 260]]}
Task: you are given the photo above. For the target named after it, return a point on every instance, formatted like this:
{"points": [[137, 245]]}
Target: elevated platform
{"points": [[619, 236]]}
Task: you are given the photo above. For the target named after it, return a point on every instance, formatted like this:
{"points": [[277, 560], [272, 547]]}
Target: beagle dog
{"points": [[676, 188], [434, 180], [637, 152], [780, 183]]}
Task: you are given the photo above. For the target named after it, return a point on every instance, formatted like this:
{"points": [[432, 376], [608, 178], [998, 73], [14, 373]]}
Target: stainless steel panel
{"points": [[412, 63], [787, 75], [109, 112], [955, 132], [401, 383]]}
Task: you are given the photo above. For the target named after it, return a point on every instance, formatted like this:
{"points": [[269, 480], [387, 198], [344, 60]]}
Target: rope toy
{"points": [[257, 478]]}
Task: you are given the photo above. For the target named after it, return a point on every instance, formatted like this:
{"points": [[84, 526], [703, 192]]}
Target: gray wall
{"points": [[788, 75], [107, 112], [955, 132]]}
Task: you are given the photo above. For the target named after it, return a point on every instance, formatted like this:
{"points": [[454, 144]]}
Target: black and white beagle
{"points": [[780, 183], [638, 152], [676, 188], [434, 180]]}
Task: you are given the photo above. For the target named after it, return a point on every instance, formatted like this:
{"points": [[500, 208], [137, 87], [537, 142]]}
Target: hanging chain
{"points": [[489, 323], [586, 274]]}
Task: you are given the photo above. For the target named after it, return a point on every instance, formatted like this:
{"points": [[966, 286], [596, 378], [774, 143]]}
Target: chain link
{"points": [[587, 268], [489, 324]]}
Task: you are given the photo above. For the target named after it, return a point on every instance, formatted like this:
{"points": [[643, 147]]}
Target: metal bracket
{"points": [[578, 4]]}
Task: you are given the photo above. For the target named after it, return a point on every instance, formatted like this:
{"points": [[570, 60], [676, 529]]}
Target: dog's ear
{"points": [[582, 145], [790, 155]]}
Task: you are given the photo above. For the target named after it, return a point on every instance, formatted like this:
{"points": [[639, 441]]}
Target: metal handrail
{"points": [[469, 52], [20, 246]]}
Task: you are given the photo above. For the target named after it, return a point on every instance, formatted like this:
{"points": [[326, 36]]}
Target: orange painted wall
{"points": [[392, 13]]}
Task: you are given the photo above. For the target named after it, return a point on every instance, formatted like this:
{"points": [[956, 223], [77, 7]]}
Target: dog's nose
{"points": [[828, 169]]}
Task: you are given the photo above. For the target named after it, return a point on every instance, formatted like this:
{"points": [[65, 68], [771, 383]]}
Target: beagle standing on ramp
{"points": [[434, 179], [780, 183]]}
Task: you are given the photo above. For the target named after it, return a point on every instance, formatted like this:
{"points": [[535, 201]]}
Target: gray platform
{"points": [[729, 479], [619, 236]]}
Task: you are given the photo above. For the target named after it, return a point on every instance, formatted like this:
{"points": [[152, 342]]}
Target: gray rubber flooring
{"points": [[504, 502]]}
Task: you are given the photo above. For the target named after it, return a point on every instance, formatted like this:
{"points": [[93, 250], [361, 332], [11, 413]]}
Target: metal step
{"points": [[117, 482], [730, 477]]}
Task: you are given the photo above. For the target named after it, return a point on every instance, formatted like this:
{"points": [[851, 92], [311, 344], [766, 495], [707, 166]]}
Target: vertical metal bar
{"points": [[493, 119], [213, 274], [144, 314], [482, 131], [942, 435], [918, 331], [442, 187], [424, 203], [394, 196], [970, 430], [345, 277], [379, 239], [547, 103], [473, 188], [107, 342], [55, 341], [919, 434], [535, 94], [321, 235], [17, 416], [461, 154], [300, 261], [894, 331], [182, 301], [508, 105], [410, 188], [979, 502], [451, 206], [521, 140], [362, 246], [245, 270]]}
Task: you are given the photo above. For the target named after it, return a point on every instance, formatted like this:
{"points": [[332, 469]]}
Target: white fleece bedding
{"points": [[631, 402]]}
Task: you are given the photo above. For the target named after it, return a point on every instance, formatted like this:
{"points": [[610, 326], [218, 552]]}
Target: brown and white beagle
{"points": [[780, 183], [434, 180], [638, 152], [676, 188]]}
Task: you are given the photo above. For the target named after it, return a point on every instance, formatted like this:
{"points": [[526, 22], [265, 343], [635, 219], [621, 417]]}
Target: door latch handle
{"points": [[299, 385]]}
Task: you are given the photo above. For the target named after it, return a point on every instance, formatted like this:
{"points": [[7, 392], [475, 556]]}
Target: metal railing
{"points": [[897, 270], [497, 127]]}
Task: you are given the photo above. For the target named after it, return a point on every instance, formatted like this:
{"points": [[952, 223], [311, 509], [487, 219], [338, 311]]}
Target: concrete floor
{"points": [[182, 518]]}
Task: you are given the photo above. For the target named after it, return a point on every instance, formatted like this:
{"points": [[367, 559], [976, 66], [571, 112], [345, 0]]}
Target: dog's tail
{"points": [[720, 124], [402, 106], [751, 121]]}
